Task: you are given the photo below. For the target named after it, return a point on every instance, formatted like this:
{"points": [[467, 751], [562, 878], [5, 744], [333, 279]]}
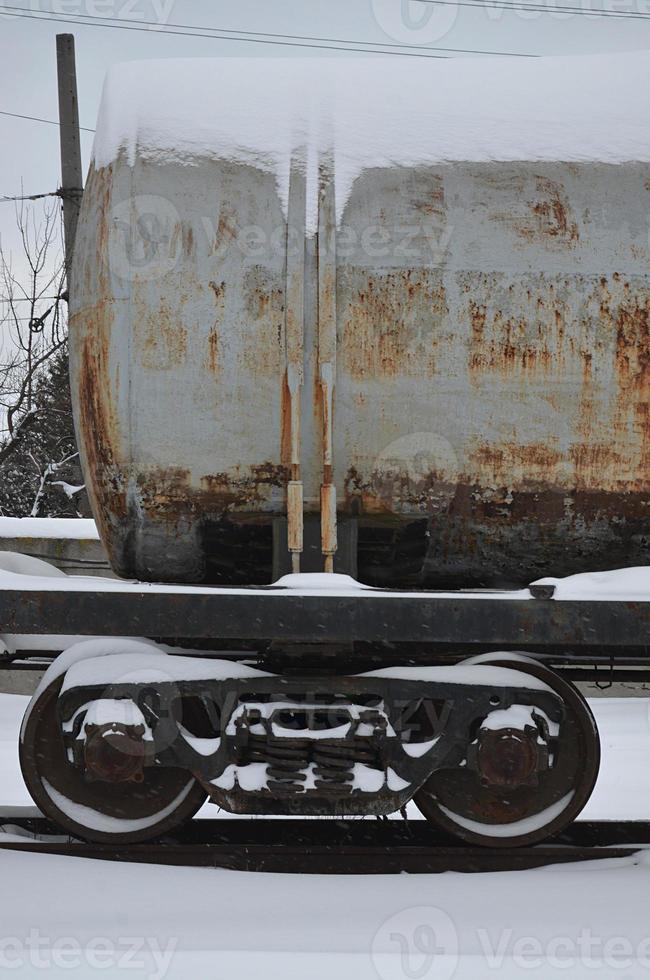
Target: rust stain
{"points": [[223, 491], [226, 230], [591, 458], [213, 358], [285, 423], [554, 212], [219, 290], [432, 200], [478, 316], [213, 351], [632, 325], [168, 495], [99, 419], [503, 459], [522, 328], [262, 339], [187, 233], [547, 218], [160, 337], [390, 492], [393, 323], [509, 345]]}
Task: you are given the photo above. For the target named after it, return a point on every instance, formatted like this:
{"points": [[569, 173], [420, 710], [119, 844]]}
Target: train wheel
{"points": [[501, 802], [101, 811]]}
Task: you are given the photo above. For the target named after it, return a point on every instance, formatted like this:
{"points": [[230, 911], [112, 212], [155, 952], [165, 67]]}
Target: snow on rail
{"points": [[17, 572], [308, 584], [622, 584], [371, 112]]}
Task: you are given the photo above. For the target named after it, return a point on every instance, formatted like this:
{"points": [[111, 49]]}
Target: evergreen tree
{"points": [[40, 475]]}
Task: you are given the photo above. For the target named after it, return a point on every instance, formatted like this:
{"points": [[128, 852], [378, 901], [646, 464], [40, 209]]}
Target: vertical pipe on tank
{"points": [[294, 350], [327, 356]]}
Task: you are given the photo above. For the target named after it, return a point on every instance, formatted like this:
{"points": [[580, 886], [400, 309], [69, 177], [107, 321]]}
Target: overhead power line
{"points": [[50, 122], [256, 37], [261, 36], [539, 7]]}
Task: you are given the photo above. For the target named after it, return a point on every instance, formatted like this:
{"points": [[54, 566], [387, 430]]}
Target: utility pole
{"points": [[71, 174]]}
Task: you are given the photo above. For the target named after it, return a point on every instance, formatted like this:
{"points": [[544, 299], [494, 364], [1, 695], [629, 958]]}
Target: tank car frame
{"points": [[322, 719]]}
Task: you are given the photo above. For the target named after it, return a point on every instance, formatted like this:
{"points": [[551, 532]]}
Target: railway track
{"points": [[333, 846]]}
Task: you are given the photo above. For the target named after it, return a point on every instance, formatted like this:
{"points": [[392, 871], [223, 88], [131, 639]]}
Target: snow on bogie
{"points": [[123, 742], [113, 798], [524, 776]]}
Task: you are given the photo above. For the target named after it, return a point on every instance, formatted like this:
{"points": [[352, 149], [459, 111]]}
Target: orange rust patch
{"points": [[162, 339], [432, 203], [521, 328], [99, 420], [262, 337], [285, 423], [478, 316], [188, 240], [392, 324], [509, 347], [213, 358], [632, 324], [225, 491], [226, 230], [554, 213], [213, 350], [219, 290], [503, 463], [590, 459], [168, 495], [548, 220]]}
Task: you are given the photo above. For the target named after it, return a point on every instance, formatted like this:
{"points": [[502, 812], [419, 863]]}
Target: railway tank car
{"points": [[457, 349], [382, 318]]}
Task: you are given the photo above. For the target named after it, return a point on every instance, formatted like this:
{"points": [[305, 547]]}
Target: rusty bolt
{"points": [[507, 757]]}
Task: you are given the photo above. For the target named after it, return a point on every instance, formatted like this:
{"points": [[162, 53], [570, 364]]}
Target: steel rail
{"points": [[338, 846]]}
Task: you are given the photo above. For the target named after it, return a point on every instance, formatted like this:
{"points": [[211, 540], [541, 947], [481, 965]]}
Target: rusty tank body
{"points": [[442, 347]]}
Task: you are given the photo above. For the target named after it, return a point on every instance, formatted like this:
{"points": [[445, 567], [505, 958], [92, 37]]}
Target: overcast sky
{"points": [[29, 152]]}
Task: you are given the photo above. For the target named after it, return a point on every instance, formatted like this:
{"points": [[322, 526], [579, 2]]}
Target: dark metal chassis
{"points": [[459, 708], [315, 641], [344, 632]]}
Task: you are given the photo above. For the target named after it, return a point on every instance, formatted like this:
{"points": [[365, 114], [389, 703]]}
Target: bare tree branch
{"points": [[28, 342], [40, 474]]}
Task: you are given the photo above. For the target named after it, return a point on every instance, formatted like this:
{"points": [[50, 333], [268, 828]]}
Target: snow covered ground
{"points": [[78, 918]]}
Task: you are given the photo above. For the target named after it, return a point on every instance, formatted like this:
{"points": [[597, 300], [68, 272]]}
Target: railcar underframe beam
{"points": [[420, 621]]}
